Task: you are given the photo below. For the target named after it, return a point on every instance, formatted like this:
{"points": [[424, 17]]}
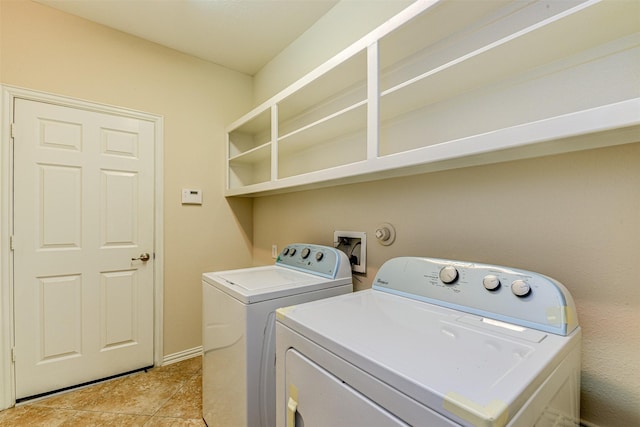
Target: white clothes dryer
{"points": [[433, 343], [238, 376]]}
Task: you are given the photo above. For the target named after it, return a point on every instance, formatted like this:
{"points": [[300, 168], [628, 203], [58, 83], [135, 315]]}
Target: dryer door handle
{"points": [[292, 408]]}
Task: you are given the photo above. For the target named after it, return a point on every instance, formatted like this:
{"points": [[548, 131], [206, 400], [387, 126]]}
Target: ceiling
{"points": [[242, 35]]}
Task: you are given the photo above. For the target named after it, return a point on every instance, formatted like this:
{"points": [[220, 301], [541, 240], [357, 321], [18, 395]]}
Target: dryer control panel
{"points": [[320, 260], [505, 294]]}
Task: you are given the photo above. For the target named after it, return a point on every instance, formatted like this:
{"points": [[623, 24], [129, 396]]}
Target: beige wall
{"points": [[575, 217], [43, 49], [344, 24]]}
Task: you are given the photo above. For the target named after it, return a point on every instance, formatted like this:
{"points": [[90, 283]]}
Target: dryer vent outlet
{"points": [[354, 244]]}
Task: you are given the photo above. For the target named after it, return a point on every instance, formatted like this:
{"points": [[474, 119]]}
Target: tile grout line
{"points": [[71, 410], [184, 383]]}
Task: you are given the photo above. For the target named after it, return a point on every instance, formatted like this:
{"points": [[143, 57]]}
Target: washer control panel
{"points": [[507, 294], [321, 260]]}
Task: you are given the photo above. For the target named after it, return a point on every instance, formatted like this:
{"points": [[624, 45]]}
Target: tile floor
{"points": [[169, 395]]}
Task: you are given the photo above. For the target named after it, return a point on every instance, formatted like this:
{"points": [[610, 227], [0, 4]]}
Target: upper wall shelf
{"points": [[448, 84]]}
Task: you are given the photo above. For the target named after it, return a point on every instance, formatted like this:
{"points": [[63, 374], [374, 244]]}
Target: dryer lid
{"points": [[447, 360]]}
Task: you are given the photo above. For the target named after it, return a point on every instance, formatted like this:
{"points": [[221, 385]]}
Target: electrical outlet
{"points": [[354, 244]]}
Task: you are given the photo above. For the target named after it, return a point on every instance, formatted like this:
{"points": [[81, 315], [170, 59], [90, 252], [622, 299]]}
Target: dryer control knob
{"points": [[448, 274], [491, 282], [292, 252], [319, 256], [305, 253], [520, 288]]}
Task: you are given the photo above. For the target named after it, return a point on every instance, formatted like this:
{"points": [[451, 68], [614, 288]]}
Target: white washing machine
{"points": [[433, 343], [238, 376]]}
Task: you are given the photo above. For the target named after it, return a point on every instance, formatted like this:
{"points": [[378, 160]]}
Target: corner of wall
{"points": [[341, 26]]}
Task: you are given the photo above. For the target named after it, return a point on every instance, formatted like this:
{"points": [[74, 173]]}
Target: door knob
{"points": [[143, 257]]}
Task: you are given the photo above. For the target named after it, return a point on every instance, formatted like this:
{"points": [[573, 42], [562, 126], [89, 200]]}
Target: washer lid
{"points": [[450, 361], [256, 284]]}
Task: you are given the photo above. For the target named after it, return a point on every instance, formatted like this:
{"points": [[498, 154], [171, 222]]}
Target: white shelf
{"points": [[344, 122], [488, 82], [252, 133], [339, 140], [337, 89], [253, 155]]}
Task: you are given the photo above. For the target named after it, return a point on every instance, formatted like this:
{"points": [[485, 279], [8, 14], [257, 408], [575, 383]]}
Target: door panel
{"points": [[59, 330], [59, 205], [83, 209], [118, 196], [119, 291]]}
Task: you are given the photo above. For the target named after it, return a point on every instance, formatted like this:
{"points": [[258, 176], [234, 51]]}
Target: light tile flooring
{"points": [[169, 395]]}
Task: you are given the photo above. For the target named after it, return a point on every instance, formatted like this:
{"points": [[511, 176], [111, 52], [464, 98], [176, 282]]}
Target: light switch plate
{"points": [[191, 196]]}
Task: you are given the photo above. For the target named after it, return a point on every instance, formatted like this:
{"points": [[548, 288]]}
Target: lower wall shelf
{"points": [[609, 125]]}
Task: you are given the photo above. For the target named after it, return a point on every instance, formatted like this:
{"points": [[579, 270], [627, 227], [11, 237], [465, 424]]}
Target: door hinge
{"points": [[11, 242], [13, 130], [13, 354]]}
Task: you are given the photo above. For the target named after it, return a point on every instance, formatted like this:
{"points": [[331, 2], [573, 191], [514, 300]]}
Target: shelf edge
{"points": [[576, 131]]}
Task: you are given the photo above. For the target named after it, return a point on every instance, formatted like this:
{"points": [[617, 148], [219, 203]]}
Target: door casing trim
{"points": [[7, 97]]}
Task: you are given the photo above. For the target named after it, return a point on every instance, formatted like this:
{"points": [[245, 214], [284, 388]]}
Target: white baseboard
{"points": [[181, 355]]}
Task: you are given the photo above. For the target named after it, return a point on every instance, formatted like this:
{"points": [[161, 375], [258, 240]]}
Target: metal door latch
{"points": [[143, 257]]}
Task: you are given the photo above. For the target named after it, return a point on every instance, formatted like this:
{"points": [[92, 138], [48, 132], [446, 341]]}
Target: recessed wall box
{"points": [[354, 244]]}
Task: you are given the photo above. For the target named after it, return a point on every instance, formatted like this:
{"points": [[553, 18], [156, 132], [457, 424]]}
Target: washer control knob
{"points": [[319, 256], [285, 251], [305, 253], [448, 274], [520, 288], [491, 282], [292, 252]]}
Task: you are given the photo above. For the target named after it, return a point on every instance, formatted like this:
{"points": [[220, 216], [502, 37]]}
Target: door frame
{"points": [[7, 97]]}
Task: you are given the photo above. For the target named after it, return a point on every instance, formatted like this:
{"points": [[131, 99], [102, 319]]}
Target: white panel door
{"points": [[83, 208]]}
